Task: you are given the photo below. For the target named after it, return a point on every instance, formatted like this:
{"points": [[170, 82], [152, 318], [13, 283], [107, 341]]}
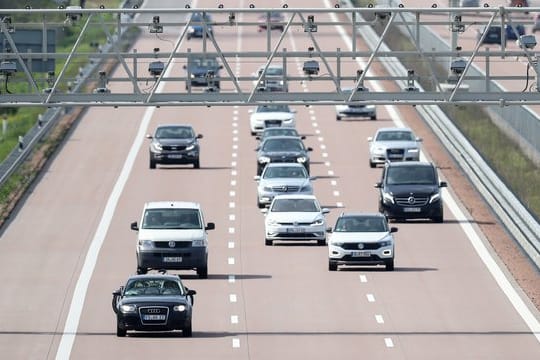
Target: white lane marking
{"points": [[232, 298], [333, 183], [234, 154], [331, 172], [231, 245], [336, 193], [232, 279], [320, 138], [79, 294], [234, 319], [235, 125], [324, 155], [235, 146], [314, 124], [233, 182], [327, 163], [235, 139], [317, 131], [232, 193], [235, 343], [231, 205], [235, 131], [235, 118], [313, 118], [339, 204], [231, 230], [363, 278], [379, 319], [483, 253], [230, 261], [388, 342], [322, 146], [370, 297], [232, 217], [233, 164], [233, 173]]}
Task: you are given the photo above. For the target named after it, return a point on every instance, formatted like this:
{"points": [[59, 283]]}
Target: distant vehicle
{"points": [[202, 71], [174, 144], [469, 3], [361, 239], [279, 131], [360, 110], [157, 302], [411, 190], [295, 218], [282, 178], [274, 19], [200, 21], [271, 115], [282, 149], [393, 144], [172, 236], [536, 23], [273, 79], [494, 35]]}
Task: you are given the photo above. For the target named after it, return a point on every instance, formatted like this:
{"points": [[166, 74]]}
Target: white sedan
{"points": [[265, 116], [393, 144], [295, 217]]}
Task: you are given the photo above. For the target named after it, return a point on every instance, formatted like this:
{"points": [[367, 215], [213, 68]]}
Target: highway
{"points": [[69, 244]]}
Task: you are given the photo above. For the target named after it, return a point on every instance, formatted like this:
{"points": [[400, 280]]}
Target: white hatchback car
{"points": [[271, 115], [361, 239], [393, 144], [295, 217]]}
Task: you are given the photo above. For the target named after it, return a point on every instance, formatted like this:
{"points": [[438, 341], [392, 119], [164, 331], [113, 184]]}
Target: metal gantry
{"points": [[329, 70]]}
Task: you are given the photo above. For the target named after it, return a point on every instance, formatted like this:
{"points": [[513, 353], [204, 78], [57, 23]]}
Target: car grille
{"points": [[270, 123], [158, 313], [394, 154], [295, 224], [287, 188], [412, 201], [305, 235], [167, 244], [364, 246], [174, 147]]}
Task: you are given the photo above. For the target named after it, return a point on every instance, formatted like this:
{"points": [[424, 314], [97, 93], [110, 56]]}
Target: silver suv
{"points": [[393, 144], [172, 236]]}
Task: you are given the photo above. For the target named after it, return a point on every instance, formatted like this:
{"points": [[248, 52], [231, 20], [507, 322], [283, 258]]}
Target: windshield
{"points": [[204, 62], [273, 108], [274, 71], [295, 205], [361, 224], [397, 135], [153, 287], [283, 145], [171, 219], [403, 175], [285, 172], [174, 132]]}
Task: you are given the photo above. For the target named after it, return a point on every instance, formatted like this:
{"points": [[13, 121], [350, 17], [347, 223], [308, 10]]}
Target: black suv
{"points": [[282, 149], [203, 71], [411, 190], [174, 144]]}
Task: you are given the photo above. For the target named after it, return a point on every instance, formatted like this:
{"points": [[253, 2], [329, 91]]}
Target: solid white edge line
{"points": [[500, 278]]}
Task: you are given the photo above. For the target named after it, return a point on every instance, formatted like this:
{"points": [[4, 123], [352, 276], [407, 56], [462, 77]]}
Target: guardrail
{"points": [[515, 217], [48, 119]]}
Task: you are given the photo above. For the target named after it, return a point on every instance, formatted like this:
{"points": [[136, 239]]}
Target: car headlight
{"points": [[306, 188], [271, 222], [385, 243], [128, 308], [190, 147], [337, 243], [157, 146], [197, 243], [434, 197], [264, 159], [301, 159], [281, 82], [267, 188], [192, 75], [388, 198], [180, 308], [413, 151], [318, 222], [146, 244], [287, 120], [379, 150], [191, 29]]}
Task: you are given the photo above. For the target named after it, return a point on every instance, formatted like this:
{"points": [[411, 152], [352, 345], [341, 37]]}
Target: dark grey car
{"points": [[282, 149], [174, 144]]}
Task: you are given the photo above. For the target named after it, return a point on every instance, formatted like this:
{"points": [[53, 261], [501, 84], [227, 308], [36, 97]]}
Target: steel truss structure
{"points": [[333, 71]]}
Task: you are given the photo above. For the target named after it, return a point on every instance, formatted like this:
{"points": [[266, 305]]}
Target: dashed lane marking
{"points": [[370, 297]]}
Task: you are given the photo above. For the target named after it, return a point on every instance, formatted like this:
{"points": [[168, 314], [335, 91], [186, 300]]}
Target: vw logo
{"points": [[411, 200], [153, 311], [295, 223], [360, 246], [172, 244]]}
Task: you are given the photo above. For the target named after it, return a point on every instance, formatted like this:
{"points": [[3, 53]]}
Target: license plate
{"points": [[153, 317], [412, 209], [172, 259], [361, 253], [175, 156], [295, 230]]}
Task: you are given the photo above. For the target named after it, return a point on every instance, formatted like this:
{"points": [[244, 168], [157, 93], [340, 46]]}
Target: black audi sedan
{"points": [[282, 149], [174, 144], [153, 302]]}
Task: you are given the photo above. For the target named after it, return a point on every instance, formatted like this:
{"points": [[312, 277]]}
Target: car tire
{"points": [[197, 165], [120, 332], [438, 219], [141, 270], [152, 164], [202, 272], [373, 118], [372, 164], [260, 169], [268, 242], [321, 242], [260, 205], [389, 264], [332, 266], [187, 331], [338, 118]]}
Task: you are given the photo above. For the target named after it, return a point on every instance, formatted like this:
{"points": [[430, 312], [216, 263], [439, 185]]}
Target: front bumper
{"points": [[174, 320], [175, 157], [369, 255], [428, 211], [180, 259], [293, 233]]}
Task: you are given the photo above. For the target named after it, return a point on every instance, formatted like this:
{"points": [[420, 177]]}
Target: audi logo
{"points": [[153, 311]]}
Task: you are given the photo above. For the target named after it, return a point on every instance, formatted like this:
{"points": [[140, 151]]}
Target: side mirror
{"points": [[370, 139], [199, 136], [250, 111], [257, 148], [418, 139], [256, 177], [378, 185], [325, 210], [309, 149], [393, 229], [117, 294], [134, 226], [264, 211], [329, 229], [210, 226], [312, 178], [443, 184], [258, 137], [191, 292], [148, 136], [185, 67], [303, 137]]}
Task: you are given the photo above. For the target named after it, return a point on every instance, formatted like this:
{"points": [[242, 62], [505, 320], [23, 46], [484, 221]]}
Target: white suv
{"points": [[172, 236]]}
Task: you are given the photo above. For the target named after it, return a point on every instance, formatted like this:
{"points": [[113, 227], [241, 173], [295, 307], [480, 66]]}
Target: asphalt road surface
{"points": [[69, 246]]}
